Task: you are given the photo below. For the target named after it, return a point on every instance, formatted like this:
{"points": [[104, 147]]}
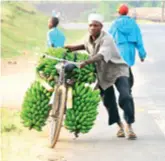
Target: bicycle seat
{"points": [[69, 67]]}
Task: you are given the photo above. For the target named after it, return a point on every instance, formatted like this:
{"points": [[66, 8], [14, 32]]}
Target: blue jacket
{"points": [[127, 36], [55, 37]]}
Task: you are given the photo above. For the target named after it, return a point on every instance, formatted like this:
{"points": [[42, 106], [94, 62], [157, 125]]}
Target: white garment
{"points": [[54, 14], [95, 17]]}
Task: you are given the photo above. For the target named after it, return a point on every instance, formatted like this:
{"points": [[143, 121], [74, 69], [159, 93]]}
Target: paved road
{"points": [[101, 143]]}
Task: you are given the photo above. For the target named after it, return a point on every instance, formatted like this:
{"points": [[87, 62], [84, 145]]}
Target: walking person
{"points": [[111, 71], [55, 37], [127, 35]]}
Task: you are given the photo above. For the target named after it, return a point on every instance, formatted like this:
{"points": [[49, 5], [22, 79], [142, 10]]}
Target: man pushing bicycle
{"points": [[111, 70]]}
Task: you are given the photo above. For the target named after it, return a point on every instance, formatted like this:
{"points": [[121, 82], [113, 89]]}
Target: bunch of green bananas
{"points": [[80, 118], [86, 74], [46, 67], [35, 108]]}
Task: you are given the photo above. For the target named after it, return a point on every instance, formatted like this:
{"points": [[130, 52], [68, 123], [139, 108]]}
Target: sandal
{"points": [[121, 133], [131, 134]]}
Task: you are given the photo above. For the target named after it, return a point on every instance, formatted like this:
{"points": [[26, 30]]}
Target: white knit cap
{"points": [[54, 14], [95, 17]]}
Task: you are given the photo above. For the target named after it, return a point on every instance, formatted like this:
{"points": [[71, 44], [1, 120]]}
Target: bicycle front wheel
{"points": [[58, 109]]}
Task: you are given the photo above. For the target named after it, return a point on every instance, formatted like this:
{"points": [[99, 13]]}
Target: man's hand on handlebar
{"points": [[69, 48], [83, 64], [75, 47]]}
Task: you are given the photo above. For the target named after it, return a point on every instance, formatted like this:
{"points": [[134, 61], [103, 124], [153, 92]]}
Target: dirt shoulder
{"points": [[16, 76], [22, 144], [28, 146]]}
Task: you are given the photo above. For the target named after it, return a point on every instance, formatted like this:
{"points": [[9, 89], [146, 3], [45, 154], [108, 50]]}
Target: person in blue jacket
{"points": [[55, 37], [128, 38]]}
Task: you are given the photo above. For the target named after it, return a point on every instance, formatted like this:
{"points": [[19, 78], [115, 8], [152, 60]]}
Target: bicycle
{"points": [[60, 99]]}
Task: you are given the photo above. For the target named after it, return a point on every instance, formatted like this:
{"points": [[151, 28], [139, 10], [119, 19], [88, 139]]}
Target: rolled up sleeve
{"points": [[108, 48]]}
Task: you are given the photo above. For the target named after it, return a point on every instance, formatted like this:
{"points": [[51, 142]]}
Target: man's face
{"points": [[95, 28], [50, 23]]}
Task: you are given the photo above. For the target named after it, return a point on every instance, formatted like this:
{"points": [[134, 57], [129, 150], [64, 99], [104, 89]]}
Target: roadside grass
{"points": [[10, 121], [24, 29], [17, 142]]}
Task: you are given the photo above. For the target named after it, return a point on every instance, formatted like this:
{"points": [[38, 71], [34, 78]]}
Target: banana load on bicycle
{"points": [[81, 116]]}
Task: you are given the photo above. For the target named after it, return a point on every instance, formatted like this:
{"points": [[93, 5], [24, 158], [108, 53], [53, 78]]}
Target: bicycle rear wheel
{"points": [[57, 113]]}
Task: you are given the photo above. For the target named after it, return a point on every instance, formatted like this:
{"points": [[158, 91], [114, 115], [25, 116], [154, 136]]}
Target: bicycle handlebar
{"points": [[61, 60]]}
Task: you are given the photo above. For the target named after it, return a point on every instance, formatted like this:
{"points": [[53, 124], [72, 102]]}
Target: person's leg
{"points": [[131, 79], [109, 101], [126, 103]]}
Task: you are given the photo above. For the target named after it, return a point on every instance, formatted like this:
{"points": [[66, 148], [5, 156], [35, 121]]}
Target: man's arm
{"points": [[95, 59], [75, 47], [107, 48], [92, 60]]}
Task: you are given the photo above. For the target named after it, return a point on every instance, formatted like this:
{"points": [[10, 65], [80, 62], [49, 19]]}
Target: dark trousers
{"points": [[131, 80], [125, 101]]}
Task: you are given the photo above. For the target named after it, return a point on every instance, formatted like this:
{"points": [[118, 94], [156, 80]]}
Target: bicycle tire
{"points": [[58, 109]]}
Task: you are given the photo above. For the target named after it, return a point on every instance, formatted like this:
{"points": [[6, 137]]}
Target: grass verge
{"points": [[24, 29]]}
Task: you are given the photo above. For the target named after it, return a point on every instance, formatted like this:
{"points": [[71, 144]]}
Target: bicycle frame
{"points": [[61, 80]]}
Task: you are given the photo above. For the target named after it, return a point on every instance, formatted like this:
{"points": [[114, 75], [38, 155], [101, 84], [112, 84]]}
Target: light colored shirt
{"points": [[55, 37], [112, 66]]}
